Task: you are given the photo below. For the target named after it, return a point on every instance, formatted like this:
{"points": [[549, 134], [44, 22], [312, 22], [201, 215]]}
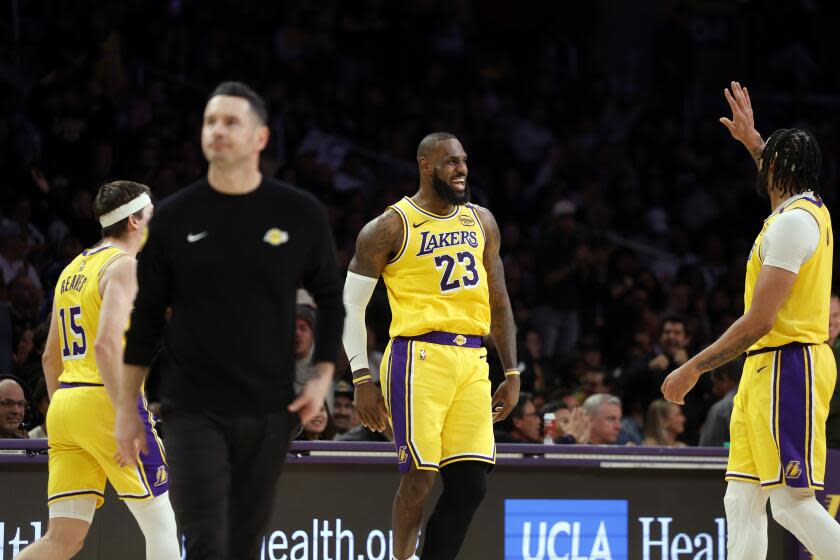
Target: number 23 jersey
{"points": [[437, 280]]}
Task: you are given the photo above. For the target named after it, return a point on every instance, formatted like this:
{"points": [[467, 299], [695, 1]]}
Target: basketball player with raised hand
{"points": [[82, 365], [777, 430], [439, 257]]}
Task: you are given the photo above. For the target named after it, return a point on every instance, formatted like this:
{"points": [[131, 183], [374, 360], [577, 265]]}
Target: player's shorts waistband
{"points": [[446, 339], [783, 347], [64, 385]]}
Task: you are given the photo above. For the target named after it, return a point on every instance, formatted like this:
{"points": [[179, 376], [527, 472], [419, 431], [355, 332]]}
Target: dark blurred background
{"points": [[591, 128]]}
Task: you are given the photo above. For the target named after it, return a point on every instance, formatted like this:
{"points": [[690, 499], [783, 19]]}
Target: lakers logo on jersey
{"points": [[403, 454], [162, 476], [792, 470], [437, 281]]}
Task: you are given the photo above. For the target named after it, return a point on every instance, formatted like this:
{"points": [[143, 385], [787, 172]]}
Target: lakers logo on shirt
{"points": [[276, 236], [403, 454], [792, 470], [162, 476], [466, 220]]}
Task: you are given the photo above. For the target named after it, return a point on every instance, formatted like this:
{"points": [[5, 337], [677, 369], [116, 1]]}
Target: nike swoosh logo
{"points": [[420, 224], [350, 361], [759, 369], [193, 237]]}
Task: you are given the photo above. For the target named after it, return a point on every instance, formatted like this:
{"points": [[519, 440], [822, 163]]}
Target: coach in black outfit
{"points": [[227, 254]]}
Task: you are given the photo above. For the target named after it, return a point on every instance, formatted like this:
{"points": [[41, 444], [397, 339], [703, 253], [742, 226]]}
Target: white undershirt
{"points": [[792, 237]]}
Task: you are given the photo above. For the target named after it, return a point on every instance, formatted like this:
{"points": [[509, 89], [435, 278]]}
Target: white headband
{"points": [[131, 207]]}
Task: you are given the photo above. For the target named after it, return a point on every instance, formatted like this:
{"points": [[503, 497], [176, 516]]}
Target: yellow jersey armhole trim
{"points": [[108, 263], [402, 215], [478, 220], [102, 269]]}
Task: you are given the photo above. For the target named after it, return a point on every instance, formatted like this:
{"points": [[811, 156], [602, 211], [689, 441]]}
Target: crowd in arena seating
{"points": [[626, 210]]}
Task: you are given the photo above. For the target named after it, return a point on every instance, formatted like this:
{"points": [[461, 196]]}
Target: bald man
{"points": [[12, 408]]}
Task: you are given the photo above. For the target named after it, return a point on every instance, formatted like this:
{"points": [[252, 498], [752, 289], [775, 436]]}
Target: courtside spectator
{"points": [[523, 425], [343, 412], [320, 427], [725, 379], [604, 413], [573, 424], [665, 421], [13, 406]]}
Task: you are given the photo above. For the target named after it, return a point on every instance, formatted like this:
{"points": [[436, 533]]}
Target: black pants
{"points": [[223, 474]]}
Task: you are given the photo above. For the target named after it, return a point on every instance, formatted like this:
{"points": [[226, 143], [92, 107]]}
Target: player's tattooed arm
{"points": [[377, 243], [772, 289], [502, 326], [730, 350]]}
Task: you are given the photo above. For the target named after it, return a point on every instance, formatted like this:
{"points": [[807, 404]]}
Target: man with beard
{"points": [[642, 381], [777, 429], [439, 257], [343, 414]]}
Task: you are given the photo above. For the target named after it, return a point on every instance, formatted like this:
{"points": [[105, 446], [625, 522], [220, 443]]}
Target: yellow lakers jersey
{"points": [[437, 281], [77, 304], [804, 315]]}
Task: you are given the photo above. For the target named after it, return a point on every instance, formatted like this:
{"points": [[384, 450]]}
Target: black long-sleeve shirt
{"points": [[229, 266]]}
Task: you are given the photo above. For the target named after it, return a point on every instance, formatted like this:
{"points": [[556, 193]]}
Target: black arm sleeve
{"points": [[154, 276], [323, 280]]}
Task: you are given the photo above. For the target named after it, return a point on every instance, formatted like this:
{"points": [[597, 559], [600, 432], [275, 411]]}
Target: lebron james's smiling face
{"points": [[450, 172]]}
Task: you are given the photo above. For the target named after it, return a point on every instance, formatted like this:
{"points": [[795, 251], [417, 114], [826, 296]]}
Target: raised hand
{"points": [[742, 123], [578, 425]]}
